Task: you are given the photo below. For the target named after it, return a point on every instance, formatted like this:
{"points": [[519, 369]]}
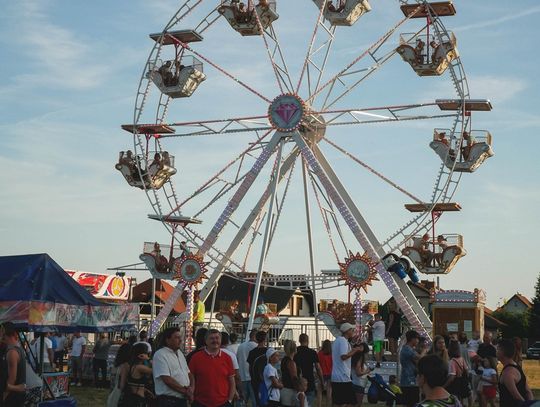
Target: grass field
{"points": [[92, 397]]}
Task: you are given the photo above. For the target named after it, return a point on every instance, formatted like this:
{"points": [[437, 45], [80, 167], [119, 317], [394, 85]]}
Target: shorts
{"points": [[358, 389], [343, 393], [411, 395], [287, 397], [490, 392], [378, 346]]}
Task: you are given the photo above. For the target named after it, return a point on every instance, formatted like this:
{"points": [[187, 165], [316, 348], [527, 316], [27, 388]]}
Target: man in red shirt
{"points": [[213, 372]]}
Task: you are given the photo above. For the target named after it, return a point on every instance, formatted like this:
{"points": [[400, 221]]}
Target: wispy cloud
{"points": [[59, 57], [498, 21]]}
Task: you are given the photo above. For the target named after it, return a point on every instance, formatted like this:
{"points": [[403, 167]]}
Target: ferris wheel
{"points": [[230, 221]]}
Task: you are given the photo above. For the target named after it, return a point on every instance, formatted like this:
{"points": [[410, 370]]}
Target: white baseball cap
{"points": [[346, 327], [270, 352]]}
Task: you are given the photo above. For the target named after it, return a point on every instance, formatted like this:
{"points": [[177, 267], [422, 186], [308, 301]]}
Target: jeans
{"points": [[76, 368], [249, 394], [311, 396]]}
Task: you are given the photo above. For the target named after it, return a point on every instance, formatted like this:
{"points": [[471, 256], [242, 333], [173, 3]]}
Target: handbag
{"points": [[460, 385], [114, 395]]}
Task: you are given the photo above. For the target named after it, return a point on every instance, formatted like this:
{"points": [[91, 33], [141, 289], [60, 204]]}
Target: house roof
{"points": [[143, 293], [519, 297]]}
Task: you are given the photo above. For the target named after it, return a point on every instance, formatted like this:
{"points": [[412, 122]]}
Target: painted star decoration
{"points": [[358, 271]]}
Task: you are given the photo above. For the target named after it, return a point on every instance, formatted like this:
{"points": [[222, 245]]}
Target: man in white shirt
{"points": [[379, 330], [342, 390], [78, 346], [48, 355], [173, 381], [243, 367], [60, 350], [234, 359]]}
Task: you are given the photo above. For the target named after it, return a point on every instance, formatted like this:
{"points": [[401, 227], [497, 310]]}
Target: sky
{"points": [[69, 76]]}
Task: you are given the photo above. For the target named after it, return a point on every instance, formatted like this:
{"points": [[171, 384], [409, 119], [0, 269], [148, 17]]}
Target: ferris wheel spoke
{"points": [[324, 215], [220, 126], [215, 178], [354, 119], [217, 67], [274, 52], [309, 59], [279, 205], [373, 171], [348, 69]]}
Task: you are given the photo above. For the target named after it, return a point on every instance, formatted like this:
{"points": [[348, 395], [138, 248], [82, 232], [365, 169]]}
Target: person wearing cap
{"points": [[342, 389], [271, 378]]}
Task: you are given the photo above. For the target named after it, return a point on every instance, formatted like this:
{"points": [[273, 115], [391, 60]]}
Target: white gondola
{"points": [[241, 15], [343, 12], [475, 149], [438, 256], [425, 54], [177, 79], [159, 169]]}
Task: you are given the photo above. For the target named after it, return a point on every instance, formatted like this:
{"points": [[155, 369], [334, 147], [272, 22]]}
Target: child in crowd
{"points": [[300, 385], [392, 382], [489, 381], [271, 381]]}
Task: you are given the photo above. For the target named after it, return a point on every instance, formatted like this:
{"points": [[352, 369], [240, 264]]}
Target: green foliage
{"points": [[517, 324], [534, 314]]}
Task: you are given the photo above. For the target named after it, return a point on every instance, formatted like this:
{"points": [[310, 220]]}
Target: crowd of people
{"points": [[451, 371]]}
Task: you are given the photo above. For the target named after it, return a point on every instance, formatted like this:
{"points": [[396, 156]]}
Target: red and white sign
{"points": [[103, 286]]}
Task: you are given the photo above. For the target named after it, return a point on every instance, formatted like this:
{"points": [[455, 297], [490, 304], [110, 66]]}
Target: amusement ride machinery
{"points": [[242, 203]]}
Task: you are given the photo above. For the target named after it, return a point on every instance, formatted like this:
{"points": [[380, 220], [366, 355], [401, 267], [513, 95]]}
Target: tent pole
{"points": [[213, 303], [41, 355], [153, 311]]}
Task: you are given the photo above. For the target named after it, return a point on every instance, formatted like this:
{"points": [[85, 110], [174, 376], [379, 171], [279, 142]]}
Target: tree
{"points": [[534, 314], [516, 324]]}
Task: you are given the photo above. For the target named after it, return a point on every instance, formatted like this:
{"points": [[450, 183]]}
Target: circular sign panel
{"points": [[286, 112], [190, 271], [358, 271]]}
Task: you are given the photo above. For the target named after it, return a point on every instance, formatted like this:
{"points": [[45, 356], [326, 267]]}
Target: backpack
{"points": [[264, 394], [257, 369]]}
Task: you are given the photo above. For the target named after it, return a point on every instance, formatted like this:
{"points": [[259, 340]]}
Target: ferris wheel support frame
{"points": [[264, 250], [310, 248], [362, 232], [286, 166]]}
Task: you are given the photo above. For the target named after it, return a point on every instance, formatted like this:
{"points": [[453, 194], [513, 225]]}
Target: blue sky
{"points": [[69, 75]]}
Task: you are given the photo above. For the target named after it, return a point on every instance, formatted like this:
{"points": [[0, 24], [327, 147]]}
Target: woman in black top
{"points": [[137, 378], [289, 373], [393, 327], [513, 388]]}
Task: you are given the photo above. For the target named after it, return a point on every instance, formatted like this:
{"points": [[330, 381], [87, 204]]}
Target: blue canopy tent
{"points": [[36, 294]]}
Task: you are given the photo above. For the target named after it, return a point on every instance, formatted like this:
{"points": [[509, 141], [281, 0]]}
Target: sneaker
{"points": [[378, 364], [79, 384], [72, 384]]}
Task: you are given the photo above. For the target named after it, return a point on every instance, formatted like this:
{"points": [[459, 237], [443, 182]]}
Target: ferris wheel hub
{"points": [[286, 112]]}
